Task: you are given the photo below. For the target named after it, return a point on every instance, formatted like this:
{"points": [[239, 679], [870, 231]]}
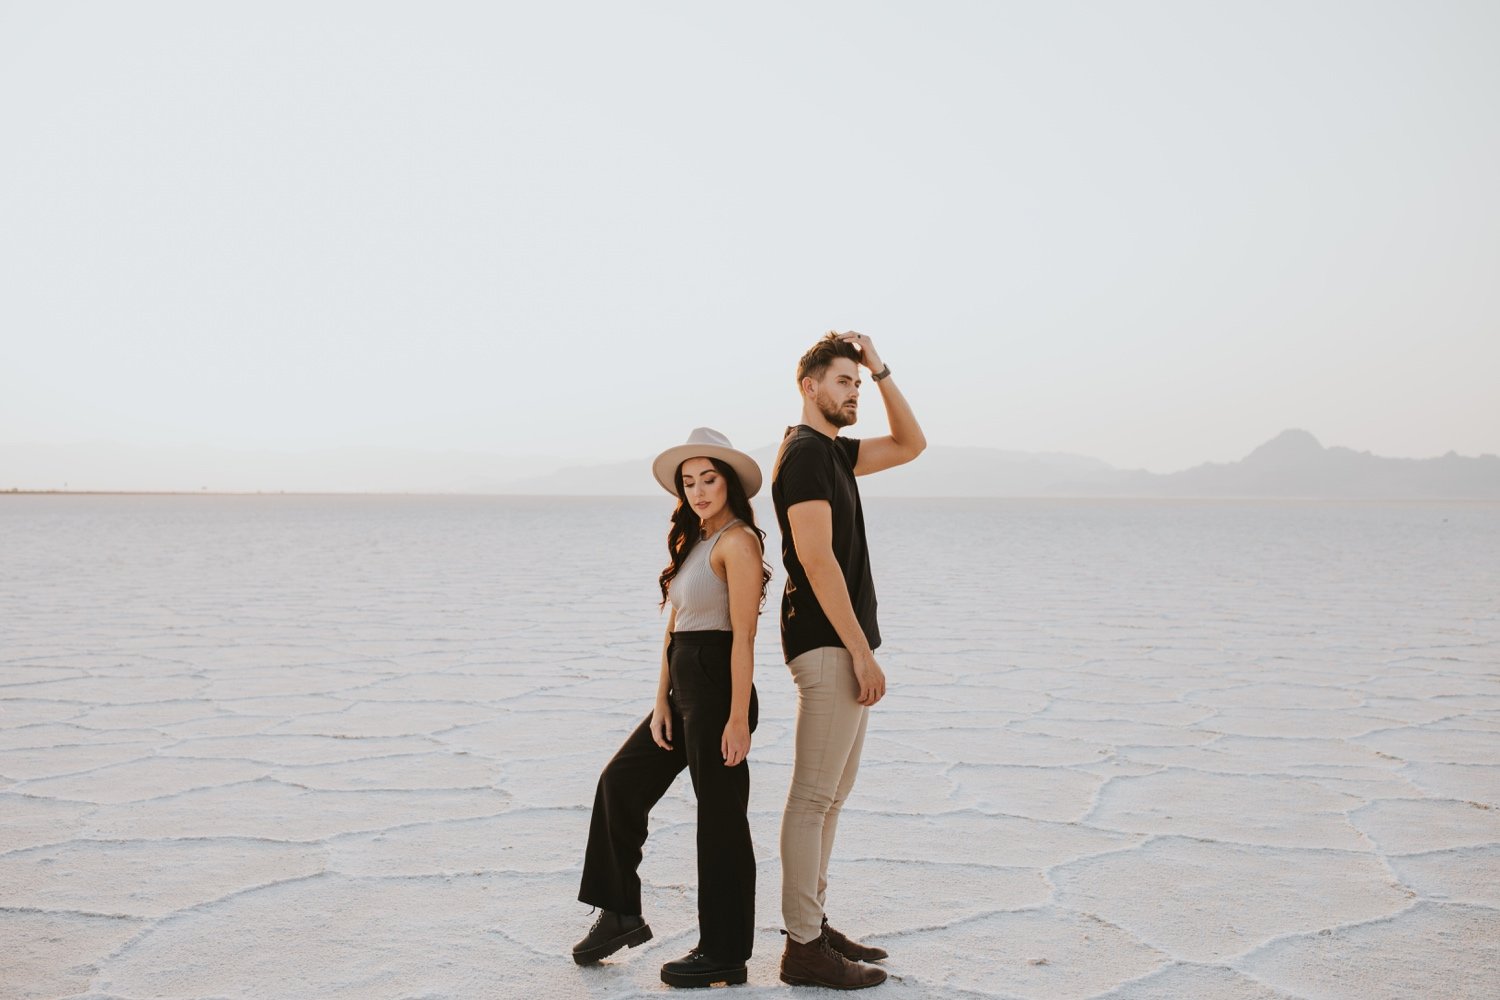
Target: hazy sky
{"points": [[1154, 233]]}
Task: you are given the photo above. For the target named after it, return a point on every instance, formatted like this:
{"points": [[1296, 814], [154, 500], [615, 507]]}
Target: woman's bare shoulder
{"points": [[740, 540]]}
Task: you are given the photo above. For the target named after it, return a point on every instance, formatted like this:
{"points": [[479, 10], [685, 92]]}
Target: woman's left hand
{"points": [[735, 746]]}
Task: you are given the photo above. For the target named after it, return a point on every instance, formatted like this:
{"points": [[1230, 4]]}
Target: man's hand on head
{"points": [[867, 355]]}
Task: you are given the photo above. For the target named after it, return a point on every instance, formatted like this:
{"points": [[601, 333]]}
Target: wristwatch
{"points": [[883, 373]]}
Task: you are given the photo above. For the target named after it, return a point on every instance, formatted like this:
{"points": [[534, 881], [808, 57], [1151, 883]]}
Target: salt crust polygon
{"points": [[1432, 949], [1469, 782], [1058, 794], [48, 955], [144, 777], [1196, 982], [1411, 826], [1205, 902], [276, 811], [533, 840], [276, 748], [1230, 808], [147, 878]]}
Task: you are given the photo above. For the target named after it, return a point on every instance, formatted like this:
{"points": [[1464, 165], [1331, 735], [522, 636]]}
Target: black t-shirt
{"points": [[813, 466]]}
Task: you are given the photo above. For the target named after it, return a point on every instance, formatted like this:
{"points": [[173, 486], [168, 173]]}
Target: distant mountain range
{"points": [[1293, 464]]}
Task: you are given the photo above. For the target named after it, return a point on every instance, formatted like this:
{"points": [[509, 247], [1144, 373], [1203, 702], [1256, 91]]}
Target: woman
{"points": [[705, 711]]}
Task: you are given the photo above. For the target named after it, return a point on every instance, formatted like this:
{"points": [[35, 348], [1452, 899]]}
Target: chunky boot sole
{"points": [[721, 977], [629, 939], [799, 981]]}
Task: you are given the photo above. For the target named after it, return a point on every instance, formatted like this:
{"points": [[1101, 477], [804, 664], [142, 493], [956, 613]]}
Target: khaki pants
{"points": [[830, 736]]}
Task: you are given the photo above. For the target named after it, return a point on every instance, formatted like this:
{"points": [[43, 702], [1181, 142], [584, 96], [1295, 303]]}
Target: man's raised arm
{"points": [[906, 440]]}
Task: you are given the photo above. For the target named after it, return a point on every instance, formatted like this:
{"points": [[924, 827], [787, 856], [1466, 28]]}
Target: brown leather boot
{"points": [[852, 950], [817, 964]]}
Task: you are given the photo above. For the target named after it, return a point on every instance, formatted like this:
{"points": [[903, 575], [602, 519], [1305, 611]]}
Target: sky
{"points": [[1151, 233]]}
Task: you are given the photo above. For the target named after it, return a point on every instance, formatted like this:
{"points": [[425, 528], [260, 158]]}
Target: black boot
{"points": [[611, 932], [697, 969]]}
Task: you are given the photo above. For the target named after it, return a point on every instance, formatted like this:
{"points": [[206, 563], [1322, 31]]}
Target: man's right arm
{"points": [[811, 523]]}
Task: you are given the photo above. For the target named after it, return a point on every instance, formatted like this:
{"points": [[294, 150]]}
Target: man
{"points": [[829, 635]]}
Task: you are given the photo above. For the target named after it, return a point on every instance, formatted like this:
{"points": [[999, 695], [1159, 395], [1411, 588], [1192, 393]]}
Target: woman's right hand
{"points": [[661, 725]]}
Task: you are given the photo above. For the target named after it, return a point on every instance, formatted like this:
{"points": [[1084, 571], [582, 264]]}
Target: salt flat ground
{"points": [[345, 747]]}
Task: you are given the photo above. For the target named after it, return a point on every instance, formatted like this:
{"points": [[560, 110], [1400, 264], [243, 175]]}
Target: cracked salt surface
{"points": [[346, 746]]}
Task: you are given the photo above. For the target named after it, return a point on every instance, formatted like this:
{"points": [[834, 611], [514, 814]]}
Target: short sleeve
{"points": [[850, 447], [805, 475]]}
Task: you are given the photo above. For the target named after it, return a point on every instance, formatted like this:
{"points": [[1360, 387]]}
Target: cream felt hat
{"points": [[705, 442]]}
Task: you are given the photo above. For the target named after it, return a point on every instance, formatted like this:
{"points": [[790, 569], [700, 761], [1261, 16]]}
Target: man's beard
{"points": [[836, 415]]}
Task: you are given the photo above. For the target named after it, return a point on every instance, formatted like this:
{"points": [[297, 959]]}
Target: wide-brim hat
{"points": [[705, 442]]}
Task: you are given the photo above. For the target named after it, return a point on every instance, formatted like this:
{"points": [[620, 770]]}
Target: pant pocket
{"points": [[807, 669]]}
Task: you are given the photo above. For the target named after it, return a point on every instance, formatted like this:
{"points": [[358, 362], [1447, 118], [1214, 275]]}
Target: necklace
{"points": [[704, 532]]}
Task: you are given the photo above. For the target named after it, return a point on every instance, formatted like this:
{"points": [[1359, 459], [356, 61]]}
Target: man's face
{"points": [[837, 395]]}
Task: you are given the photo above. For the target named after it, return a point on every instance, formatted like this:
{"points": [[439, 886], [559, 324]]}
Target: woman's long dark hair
{"points": [[687, 528]]}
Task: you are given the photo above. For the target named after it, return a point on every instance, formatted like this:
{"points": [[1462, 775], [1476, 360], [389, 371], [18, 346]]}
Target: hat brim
{"points": [[665, 466]]}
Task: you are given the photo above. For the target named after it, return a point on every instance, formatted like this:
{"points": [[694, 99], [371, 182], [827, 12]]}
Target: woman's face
{"points": [[704, 487]]}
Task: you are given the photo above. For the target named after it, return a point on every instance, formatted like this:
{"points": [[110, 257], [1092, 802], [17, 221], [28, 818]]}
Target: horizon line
{"points": [[1310, 498]]}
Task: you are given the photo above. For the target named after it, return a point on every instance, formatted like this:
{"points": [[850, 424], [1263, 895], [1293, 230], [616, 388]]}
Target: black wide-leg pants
{"points": [[640, 774]]}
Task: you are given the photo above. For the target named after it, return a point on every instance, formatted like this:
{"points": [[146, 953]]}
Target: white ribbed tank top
{"points": [[699, 597]]}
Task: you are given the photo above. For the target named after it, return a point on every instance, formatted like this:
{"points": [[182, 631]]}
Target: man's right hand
{"points": [[871, 679]]}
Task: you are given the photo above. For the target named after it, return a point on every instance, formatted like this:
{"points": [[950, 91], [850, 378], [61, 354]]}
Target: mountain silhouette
{"points": [[1293, 464]]}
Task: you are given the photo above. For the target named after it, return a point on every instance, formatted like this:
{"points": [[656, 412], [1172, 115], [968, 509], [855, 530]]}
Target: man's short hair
{"points": [[820, 355]]}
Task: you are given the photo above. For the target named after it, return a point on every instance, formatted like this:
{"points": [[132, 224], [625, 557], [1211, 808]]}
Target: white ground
{"points": [[289, 774]]}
